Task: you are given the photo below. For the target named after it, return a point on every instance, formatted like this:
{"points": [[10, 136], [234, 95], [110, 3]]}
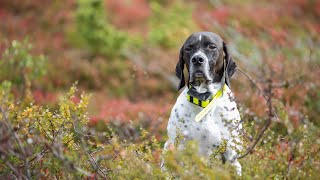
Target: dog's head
{"points": [[207, 59]]}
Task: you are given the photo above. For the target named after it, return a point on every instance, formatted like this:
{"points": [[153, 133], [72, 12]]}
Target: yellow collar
{"points": [[204, 104]]}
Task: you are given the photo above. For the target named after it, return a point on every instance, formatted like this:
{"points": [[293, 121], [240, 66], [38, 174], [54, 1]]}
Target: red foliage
{"points": [[124, 110], [3, 13], [205, 17], [317, 8], [221, 14], [128, 13], [278, 35], [75, 99], [43, 97]]}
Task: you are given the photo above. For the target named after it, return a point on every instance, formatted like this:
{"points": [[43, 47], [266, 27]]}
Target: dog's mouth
{"points": [[199, 78], [199, 83]]}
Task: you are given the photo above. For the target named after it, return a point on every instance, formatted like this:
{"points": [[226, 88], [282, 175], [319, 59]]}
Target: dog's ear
{"points": [[179, 69], [230, 66]]}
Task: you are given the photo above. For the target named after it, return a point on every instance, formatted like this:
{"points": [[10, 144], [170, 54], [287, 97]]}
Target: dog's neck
{"points": [[204, 91], [215, 87], [212, 87], [203, 88]]}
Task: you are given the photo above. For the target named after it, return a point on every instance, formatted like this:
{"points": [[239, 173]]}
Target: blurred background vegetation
{"points": [[124, 53]]}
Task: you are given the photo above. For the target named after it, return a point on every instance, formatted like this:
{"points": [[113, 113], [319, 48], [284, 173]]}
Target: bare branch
{"points": [[17, 139], [261, 91], [271, 113], [97, 166]]}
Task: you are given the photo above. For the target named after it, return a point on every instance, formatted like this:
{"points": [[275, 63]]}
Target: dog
{"points": [[210, 66]]}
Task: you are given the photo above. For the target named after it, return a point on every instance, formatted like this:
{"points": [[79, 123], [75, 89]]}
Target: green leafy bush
{"points": [[37, 141], [19, 67], [95, 33]]}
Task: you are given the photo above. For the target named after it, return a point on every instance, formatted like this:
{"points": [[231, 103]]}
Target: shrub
{"points": [[95, 33], [37, 141], [19, 67], [284, 152]]}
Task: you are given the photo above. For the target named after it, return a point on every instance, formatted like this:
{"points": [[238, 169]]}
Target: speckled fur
{"points": [[212, 130]]}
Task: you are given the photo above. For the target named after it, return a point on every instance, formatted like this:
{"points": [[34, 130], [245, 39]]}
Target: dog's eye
{"points": [[212, 47], [189, 48]]}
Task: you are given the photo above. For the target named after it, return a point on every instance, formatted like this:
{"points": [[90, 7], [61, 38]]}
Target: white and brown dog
{"points": [[210, 66]]}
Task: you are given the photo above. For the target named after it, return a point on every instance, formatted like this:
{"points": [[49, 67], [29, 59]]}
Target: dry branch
{"points": [[267, 94]]}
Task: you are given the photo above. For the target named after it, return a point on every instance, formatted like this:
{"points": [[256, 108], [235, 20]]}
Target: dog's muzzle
{"points": [[199, 69]]}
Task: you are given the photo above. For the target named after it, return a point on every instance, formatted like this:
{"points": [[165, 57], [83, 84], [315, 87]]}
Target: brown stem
{"points": [[271, 113]]}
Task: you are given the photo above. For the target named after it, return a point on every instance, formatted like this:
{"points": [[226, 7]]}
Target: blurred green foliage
{"points": [[170, 24], [17, 63], [95, 33], [19, 67]]}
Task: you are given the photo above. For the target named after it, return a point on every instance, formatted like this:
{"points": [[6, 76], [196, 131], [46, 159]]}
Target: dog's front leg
{"points": [[231, 156]]}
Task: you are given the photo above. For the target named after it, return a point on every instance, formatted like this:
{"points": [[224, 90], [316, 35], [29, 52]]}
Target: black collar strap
{"points": [[196, 98]]}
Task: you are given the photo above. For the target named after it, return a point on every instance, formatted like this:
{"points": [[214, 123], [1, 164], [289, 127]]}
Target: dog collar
{"points": [[203, 99]]}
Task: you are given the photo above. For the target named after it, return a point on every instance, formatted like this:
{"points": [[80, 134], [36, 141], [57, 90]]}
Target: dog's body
{"points": [[209, 66], [211, 131]]}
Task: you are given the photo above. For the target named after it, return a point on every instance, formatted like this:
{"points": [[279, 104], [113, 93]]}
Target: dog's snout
{"points": [[197, 60]]}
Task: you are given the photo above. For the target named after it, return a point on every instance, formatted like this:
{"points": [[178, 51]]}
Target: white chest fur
{"points": [[222, 123]]}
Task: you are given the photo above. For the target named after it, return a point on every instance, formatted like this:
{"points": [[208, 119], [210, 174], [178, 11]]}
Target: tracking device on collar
{"points": [[201, 96], [200, 99], [204, 99]]}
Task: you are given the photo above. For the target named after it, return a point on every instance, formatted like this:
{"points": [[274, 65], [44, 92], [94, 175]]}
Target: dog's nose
{"points": [[197, 60]]}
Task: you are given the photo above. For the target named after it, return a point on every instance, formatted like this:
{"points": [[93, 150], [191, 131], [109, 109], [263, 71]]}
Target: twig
{"points": [[248, 136], [92, 160], [261, 91], [69, 164], [13, 133], [52, 129], [271, 113], [46, 150], [32, 159], [18, 174], [44, 129], [97, 165], [5, 116], [289, 83]]}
